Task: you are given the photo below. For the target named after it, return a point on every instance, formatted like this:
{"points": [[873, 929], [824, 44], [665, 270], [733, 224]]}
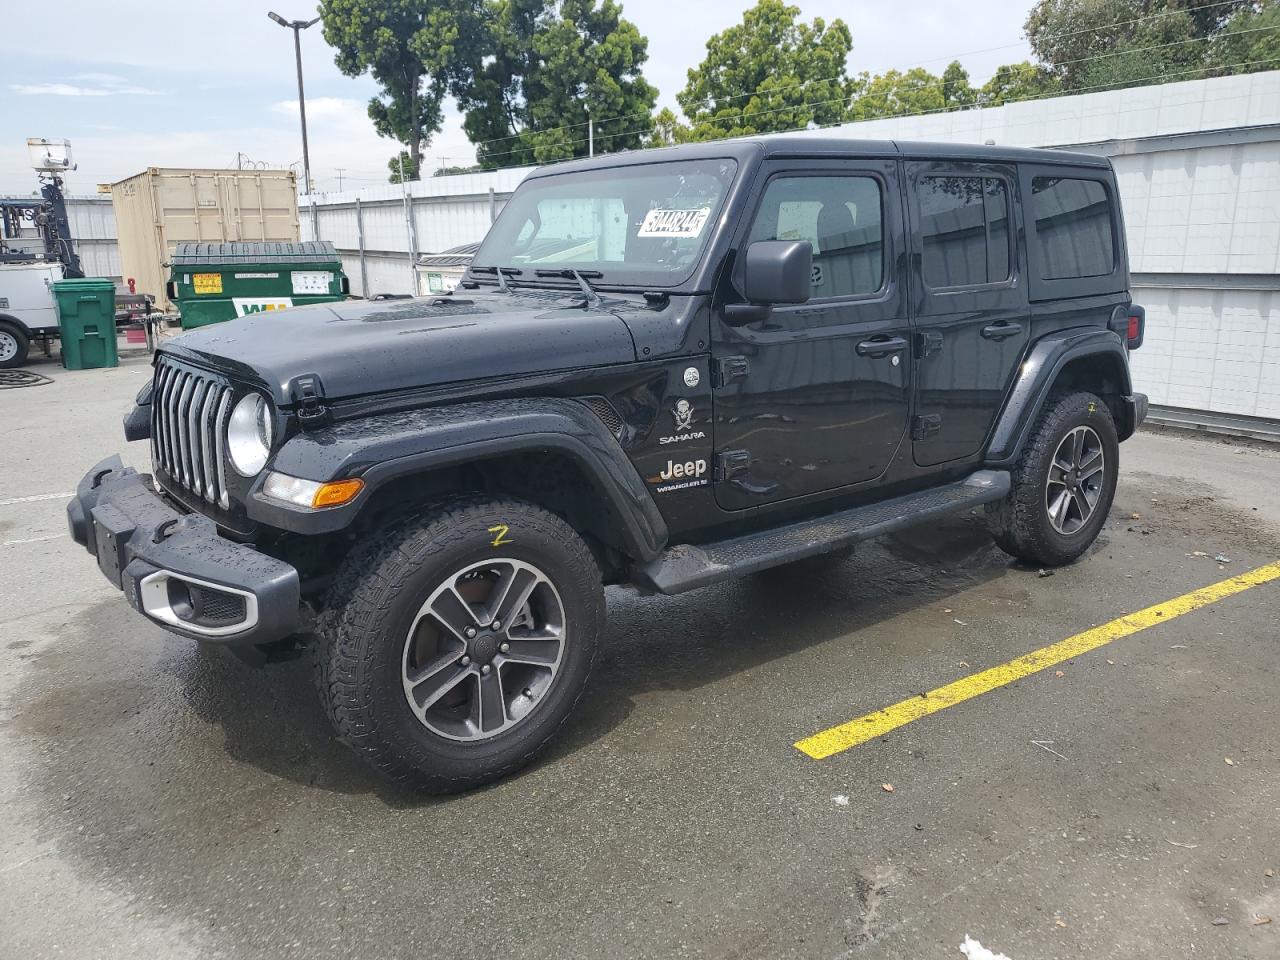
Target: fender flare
{"points": [[384, 447], [1035, 381]]}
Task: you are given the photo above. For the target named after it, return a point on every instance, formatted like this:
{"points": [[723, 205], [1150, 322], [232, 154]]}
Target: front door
{"points": [[972, 314], [816, 397]]}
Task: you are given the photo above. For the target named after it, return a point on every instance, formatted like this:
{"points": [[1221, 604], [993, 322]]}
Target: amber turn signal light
{"points": [[337, 492]]}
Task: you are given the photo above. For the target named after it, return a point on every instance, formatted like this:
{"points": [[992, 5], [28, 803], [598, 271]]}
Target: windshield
{"points": [[641, 225]]}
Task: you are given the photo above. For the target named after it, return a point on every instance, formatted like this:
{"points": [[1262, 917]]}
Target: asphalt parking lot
{"points": [[159, 801]]}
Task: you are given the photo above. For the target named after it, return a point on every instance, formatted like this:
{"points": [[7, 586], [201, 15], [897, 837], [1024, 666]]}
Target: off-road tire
{"points": [[369, 608], [21, 343], [1020, 523]]}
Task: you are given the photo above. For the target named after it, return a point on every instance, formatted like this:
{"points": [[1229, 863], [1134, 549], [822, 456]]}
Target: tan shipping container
{"points": [[165, 206]]}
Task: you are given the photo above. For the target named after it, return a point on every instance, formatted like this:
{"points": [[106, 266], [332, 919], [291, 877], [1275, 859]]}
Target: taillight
{"points": [[1136, 327]]}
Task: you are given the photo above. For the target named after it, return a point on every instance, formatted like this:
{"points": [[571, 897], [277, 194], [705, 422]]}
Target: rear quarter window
{"points": [[1073, 228]]}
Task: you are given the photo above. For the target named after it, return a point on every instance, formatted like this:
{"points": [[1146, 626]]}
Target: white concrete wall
{"points": [[1203, 210], [1190, 106], [1213, 350]]}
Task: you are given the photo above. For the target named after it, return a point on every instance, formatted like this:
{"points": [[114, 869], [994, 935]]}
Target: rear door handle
{"points": [[1002, 330], [881, 346]]}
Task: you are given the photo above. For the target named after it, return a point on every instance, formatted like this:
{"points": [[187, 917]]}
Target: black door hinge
{"points": [[728, 369], [731, 464], [922, 428], [928, 342], [308, 398]]}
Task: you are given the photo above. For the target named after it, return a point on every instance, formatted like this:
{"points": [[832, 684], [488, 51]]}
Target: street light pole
{"points": [[302, 102], [297, 26]]}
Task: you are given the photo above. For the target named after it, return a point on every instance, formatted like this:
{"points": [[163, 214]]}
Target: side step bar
{"points": [[687, 567]]}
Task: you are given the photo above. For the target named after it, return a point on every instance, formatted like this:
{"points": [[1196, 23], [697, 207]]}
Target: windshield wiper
{"points": [[501, 273], [579, 275]]}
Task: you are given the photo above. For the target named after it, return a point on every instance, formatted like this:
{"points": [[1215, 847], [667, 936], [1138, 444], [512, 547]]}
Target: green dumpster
{"points": [[212, 282], [87, 322]]}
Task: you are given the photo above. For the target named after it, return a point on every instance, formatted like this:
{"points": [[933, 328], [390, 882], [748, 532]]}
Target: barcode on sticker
{"points": [[674, 223]]}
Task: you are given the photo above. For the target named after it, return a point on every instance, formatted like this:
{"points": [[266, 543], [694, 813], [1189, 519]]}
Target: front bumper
{"points": [[174, 568]]}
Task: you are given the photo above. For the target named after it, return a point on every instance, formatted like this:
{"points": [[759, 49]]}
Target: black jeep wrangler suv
{"points": [[663, 369]]}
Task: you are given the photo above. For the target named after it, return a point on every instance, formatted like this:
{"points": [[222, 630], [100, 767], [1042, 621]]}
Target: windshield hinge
{"points": [[308, 399]]}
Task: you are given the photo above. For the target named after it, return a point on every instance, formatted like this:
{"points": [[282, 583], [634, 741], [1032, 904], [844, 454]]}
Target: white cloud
{"points": [[56, 90], [322, 108], [71, 90]]}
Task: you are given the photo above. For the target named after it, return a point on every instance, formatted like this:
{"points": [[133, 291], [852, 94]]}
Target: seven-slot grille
{"points": [[189, 412]]}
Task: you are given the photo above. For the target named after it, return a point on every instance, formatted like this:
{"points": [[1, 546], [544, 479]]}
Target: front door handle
{"points": [[881, 346], [1002, 330]]}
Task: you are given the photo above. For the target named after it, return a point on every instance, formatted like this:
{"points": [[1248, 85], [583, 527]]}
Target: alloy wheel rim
{"points": [[484, 650], [1076, 476], [8, 346]]}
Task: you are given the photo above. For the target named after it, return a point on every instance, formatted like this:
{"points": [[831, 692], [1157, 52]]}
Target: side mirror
{"points": [[776, 271]]}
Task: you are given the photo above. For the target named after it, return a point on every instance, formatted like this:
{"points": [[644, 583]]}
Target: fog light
{"points": [[309, 494]]}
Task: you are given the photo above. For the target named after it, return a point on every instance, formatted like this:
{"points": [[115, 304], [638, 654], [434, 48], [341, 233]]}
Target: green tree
{"points": [[411, 49], [455, 170], [1250, 37], [1099, 44], [895, 93], [668, 130], [768, 73], [957, 92], [548, 65], [1017, 81], [410, 167]]}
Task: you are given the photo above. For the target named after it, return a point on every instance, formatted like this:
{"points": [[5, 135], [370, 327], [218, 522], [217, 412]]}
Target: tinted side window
{"points": [[841, 216], [1073, 228], [964, 226]]}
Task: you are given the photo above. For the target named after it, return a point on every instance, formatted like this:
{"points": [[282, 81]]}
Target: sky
{"points": [[192, 84]]}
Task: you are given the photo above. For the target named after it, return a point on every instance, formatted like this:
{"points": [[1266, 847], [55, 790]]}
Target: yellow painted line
{"points": [[861, 729]]}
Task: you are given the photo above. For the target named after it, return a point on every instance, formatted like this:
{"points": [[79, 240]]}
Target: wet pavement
{"points": [[157, 800]]}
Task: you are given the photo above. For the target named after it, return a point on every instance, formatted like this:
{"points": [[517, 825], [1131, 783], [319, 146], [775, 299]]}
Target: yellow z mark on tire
{"points": [[500, 535]]}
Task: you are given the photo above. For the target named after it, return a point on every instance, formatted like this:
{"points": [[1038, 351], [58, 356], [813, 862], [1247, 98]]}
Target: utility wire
{"points": [[816, 80], [949, 109]]}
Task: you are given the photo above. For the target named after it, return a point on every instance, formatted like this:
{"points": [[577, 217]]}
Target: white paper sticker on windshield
{"points": [[674, 223]]}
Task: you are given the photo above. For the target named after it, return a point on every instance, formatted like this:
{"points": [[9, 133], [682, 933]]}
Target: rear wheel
{"points": [[14, 346], [454, 647], [1063, 483]]}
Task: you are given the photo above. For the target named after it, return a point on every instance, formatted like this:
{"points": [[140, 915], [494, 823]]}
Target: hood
{"points": [[360, 347]]}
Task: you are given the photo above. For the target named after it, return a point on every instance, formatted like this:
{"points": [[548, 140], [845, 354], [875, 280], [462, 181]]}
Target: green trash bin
{"points": [[213, 282], [87, 322]]}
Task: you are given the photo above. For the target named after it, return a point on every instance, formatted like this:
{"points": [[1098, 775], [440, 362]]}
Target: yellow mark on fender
{"points": [[500, 534], [861, 729]]}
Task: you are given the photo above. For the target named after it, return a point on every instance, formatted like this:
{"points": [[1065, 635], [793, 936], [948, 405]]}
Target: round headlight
{"points": [[249, 435]]}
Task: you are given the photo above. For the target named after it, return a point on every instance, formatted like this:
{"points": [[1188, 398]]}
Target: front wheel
{"points": [[1063, 483], [454, 647]]}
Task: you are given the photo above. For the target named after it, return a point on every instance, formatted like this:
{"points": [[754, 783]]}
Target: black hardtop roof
{"points": [[813, 146]]}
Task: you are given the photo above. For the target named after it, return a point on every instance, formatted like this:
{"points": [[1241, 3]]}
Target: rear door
{"points": [[969, 288], [817, 396]]}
